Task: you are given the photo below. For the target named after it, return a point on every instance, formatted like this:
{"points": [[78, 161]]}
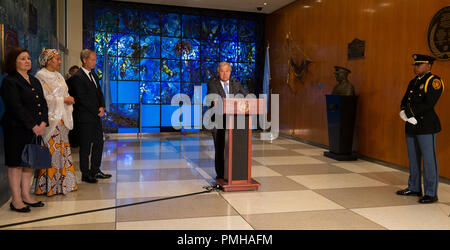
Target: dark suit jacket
{"points": [[419, 101], [25, 104], [88, 98], [215, 87]]}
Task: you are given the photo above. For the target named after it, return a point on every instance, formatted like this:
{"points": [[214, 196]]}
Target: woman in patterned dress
{"points": [[60, 178]]}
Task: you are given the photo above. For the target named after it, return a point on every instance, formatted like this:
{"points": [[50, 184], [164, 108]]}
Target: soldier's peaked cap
{"points": [[419, 59]]}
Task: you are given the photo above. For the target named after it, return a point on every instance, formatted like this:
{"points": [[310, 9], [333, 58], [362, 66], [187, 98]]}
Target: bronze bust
{"points": [[344, 87]]}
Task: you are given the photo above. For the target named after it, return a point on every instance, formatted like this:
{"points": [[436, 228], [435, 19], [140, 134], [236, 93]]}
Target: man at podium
{"points": [[223, 87]]}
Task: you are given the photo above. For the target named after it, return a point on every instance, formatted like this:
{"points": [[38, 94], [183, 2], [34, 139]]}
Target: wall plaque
{"points": [[439, 34], [356, 49]]}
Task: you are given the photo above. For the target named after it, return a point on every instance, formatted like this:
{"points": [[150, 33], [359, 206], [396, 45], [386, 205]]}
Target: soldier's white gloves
{"points": [[403, 115], [412, 120]]}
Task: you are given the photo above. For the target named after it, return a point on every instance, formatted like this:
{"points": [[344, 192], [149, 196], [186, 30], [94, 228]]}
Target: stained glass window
{"points": [[150, 46], [128, 45], [106, 42], [210, 28], [106, 19], [149, 70], [152, 55], [170, 70], [191, 26], [191, 71], [150, 23], [150, 92], [128, 68], [128, 21], [171, 25]]}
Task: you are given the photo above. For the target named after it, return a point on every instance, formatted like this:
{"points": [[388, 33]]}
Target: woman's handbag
{"points": [[36, 155]]}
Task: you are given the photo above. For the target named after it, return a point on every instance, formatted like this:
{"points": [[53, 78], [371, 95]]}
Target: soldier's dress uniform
{"points": [[419, 100]]}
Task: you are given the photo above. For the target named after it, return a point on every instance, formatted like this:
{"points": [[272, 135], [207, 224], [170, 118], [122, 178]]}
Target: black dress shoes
{"points": [[88, 179], [37, 204], [25, 209], [101, 175], [428, 199], [408, 192]]}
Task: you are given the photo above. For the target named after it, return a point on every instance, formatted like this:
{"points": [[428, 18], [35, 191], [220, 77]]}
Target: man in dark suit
{"points": [[223, 86], [88, 109], [74, 135]]}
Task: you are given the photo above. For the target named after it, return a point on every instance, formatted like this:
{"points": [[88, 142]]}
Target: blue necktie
{"points": [[225, 87]]}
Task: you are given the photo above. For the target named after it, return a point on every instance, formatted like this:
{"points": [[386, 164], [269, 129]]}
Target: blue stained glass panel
{"points": [[191, 26], [150, 23], [210, 50], [151, 115], [106, 20], [190, 49], [150, 46], [105, 42], [197, 98], [128, 45], [151, 92], [171, 25], [170, 70], [112, 67], [191, 71], [170, 48], [113, 90], [167, 111], [128, 68], [229, 29], [151, 130], [125, 115], [204, 91], [188, 89], [247, 31], [245, 71], [89, 39], [150, 70], [128, 130], [128, 21], [209, 70], [99, 67], [168, 90], [247, 52], [210, 28], [128, 92], [228, 51]]}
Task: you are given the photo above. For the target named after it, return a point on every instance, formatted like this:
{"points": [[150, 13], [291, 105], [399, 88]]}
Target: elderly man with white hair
{"points": [[223, 86]]}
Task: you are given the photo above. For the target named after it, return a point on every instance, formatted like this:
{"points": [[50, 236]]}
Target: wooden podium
{"points": [[238, 143]]}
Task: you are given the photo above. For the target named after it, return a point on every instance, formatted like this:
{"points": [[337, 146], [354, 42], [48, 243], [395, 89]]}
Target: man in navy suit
{"points": [[223, 87], [89, 107]]}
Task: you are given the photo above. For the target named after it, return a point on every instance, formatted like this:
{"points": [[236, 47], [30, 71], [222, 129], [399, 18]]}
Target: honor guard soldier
{"points": [[421, 127]]}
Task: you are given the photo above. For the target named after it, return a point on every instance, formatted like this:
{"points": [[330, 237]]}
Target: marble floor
{"points": [[300, 189]]}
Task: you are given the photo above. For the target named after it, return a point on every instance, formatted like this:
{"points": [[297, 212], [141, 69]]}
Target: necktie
{"points": [[225, 87], [91, 77]]}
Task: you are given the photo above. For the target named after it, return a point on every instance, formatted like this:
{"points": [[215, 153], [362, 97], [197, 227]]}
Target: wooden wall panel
{"points": [[393, 30]]}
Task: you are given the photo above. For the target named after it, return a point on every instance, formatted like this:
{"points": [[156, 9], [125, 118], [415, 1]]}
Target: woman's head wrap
{"points": [[46, 55]]}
